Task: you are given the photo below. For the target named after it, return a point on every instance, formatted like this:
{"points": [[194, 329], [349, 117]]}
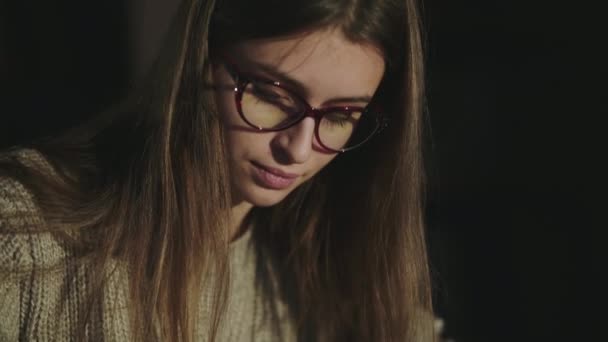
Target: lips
{"points": [[273, 178]]}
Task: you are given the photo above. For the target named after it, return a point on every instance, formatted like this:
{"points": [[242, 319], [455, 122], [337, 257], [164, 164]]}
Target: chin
{"points": [[261, 197]]}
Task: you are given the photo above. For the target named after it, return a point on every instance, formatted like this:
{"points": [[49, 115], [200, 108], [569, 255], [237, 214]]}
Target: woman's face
{"points": [[325, 69]]}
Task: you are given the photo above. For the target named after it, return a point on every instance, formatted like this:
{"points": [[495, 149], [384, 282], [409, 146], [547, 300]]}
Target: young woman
{"points": [[266, 186]]}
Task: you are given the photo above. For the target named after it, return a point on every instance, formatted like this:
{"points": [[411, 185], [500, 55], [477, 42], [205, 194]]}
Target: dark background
{"points": [[505, 179]]}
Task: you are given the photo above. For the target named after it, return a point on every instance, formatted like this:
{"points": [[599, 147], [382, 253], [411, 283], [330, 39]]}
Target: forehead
{"points": [[325, 62]]}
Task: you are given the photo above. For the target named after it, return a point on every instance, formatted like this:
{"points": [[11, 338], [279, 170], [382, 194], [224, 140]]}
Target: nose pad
{"points": [[294, 145]]}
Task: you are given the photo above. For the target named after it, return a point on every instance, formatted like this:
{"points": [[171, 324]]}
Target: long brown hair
{"points": [[139, 184]]}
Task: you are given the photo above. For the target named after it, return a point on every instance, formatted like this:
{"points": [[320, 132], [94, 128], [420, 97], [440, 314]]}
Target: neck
{"points": [[238, 225]]}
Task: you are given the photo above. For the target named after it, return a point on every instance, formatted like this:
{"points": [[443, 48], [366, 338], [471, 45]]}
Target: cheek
{"points": [[245, 145], [226, 107], [321, 161]]}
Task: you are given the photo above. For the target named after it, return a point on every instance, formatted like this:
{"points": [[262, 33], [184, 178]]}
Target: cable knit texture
{"points": [[43, 283]]}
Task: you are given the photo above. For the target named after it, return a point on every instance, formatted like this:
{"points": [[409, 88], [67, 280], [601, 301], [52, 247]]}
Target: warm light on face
{"points": [[268, 105], [325, 70]]}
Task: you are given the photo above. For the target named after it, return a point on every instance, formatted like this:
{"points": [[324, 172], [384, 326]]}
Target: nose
{"points": [[295, 143]]}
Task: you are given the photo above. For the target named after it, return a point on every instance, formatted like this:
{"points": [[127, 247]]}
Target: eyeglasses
{"points": [[268, 106]]}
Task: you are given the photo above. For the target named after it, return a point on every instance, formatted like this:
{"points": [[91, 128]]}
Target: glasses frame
{"points": [[242, 79]]}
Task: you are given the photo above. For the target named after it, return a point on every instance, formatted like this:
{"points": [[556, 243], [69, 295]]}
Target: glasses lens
{"points": [[343, 129], [268, 106]]}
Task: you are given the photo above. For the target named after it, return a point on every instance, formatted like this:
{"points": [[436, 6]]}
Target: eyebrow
{"points": [[299, 87]]}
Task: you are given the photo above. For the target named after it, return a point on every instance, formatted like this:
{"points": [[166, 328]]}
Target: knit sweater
{"points": [[43, 283]]}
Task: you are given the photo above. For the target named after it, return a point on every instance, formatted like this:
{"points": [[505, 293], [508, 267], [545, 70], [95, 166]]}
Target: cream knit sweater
{"points": [[42, 284]]}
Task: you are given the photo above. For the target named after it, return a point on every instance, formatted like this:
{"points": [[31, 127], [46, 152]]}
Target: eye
{"points": [[268, 92], [337, 117], [275, 96], [341, 118]]}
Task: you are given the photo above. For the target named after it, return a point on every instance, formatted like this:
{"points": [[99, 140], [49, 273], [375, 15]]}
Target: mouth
{"points": [[272, 178]]}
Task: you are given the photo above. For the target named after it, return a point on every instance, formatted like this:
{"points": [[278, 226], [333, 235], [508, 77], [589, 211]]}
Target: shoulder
{"points": [[18, 210], [22, 244]]}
